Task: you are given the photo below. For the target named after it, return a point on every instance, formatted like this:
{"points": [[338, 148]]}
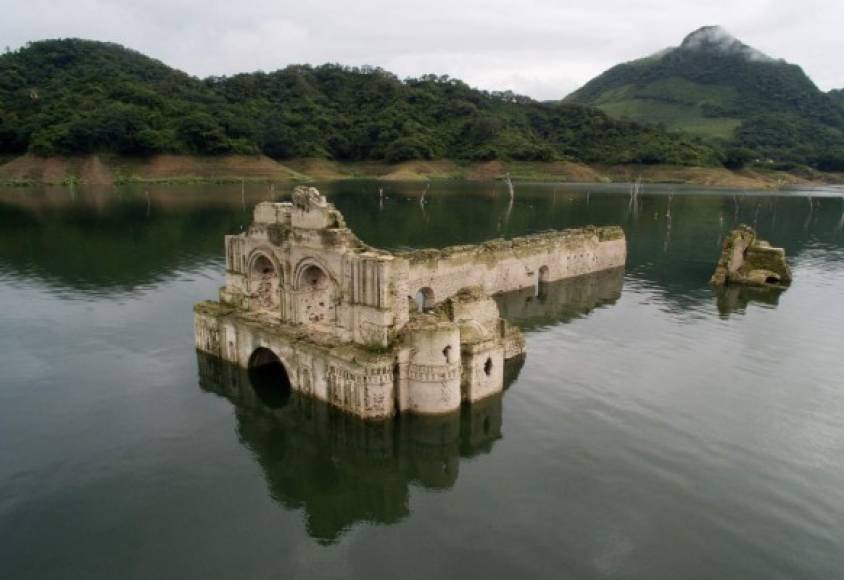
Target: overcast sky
{"points": [[541, 48]]}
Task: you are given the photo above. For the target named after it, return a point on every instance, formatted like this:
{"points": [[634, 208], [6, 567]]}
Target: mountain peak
{"points": [[706, 36], [714, 39]]}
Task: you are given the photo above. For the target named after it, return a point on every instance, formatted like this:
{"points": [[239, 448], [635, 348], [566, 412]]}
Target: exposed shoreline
{"points": [[114, 170]]}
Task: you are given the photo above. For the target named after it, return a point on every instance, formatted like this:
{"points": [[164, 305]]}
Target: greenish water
{"points": [[657, 428]]}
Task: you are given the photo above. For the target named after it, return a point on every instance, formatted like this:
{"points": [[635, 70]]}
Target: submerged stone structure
{"points": [[747, 260], [377, 333]]}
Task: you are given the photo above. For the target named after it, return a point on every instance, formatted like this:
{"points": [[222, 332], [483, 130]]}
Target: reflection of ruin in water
{"points": [[560, 301], [341, 469], [736, 299]]}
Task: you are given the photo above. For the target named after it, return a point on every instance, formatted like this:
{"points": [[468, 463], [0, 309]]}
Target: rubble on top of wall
{"points": [[470, 310], [554, 238]]}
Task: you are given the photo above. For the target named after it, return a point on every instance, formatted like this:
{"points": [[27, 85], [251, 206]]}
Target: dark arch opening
{"points": [[772, 280], [544, 273], [264, 282], [313, 278], [488, 366], [262, 265], [424, 299], [269, 378], [541, 279], [396, 378], [316, 296]]}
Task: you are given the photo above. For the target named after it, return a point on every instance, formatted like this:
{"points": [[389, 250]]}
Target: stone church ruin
{"points": [[377, 333]]}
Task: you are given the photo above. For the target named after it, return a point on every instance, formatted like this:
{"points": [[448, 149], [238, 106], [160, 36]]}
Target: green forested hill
{"points": [[720, 89], [74, 96]]}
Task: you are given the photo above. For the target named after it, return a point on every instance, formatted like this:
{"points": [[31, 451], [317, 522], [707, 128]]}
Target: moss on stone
{"points": [[212, 308], [749, 261]]}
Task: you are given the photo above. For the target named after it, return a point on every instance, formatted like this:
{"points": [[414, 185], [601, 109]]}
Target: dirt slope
{"points": [[108, 170], [105, 170]]}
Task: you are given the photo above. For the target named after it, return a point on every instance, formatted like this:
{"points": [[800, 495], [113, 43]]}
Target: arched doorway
{"points": [[316, 301], [263, 280], [424, 299], [544, 274], [269, 378], [541, 279]]}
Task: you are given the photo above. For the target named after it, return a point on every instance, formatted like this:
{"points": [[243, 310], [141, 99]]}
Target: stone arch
{"points": [[264, 281], [269, 377], [316, 293], [424, 298], [261, 357], [308, 266], [313, 277], [544, 274]]}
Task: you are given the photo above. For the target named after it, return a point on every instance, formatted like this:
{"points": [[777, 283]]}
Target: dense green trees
{"points": [[739, 157], [75, 96]]}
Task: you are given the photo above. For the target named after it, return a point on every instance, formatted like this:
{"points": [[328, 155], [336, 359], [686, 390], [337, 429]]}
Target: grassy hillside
{"points": [[675, 102], [76, 97], [719, 89]]}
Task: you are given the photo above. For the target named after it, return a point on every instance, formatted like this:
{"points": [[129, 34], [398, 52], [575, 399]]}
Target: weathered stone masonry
{"points": [[377, 333], [747, 260]]}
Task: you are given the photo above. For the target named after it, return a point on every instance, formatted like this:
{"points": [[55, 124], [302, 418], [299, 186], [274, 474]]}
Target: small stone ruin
{"points": [[749, 261]]}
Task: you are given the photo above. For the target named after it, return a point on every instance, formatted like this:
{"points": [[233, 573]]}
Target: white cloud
{"points": [[542, 48]]}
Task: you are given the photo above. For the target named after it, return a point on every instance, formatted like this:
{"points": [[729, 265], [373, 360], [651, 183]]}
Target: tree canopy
{"points": [[74, 96]]}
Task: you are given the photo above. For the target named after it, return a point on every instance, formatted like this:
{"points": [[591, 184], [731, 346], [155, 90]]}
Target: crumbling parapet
{"points": [[501, 265], [749, 261]]}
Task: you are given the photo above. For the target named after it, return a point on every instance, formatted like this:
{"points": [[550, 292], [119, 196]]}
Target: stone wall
{"points": [[506, 265], [433, 365], [355, 381], [325, 277]]}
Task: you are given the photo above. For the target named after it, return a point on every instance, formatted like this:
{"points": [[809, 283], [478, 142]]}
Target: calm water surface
{"points": [[657, 429]]}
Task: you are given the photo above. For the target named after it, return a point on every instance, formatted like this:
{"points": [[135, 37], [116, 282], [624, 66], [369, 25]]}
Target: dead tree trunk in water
{"points": [[808, 221], [667, 241], [841, 222], [422, 201], [635, 189], [510, 186]]}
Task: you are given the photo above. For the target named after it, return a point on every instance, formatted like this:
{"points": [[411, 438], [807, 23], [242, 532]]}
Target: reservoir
{"points": [[657, 428]]}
